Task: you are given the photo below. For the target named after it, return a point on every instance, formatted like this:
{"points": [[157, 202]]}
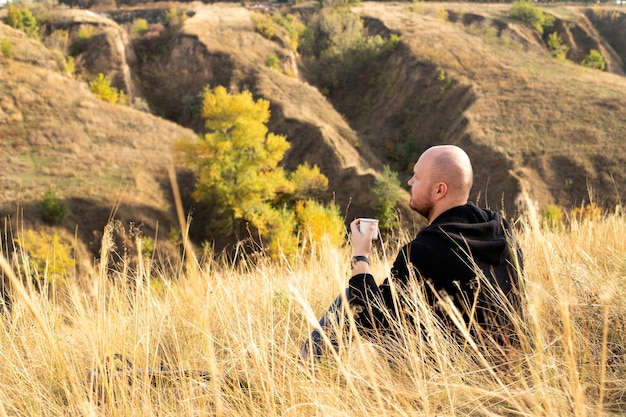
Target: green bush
{"points": [[140, 26], [293, 27], [340, 46], [556, 47], [85, 32], [525, 11], [54, 211], [22, 19], [49, 258], [594, 60], [387, 189], [6, 48], [70, 66], [102, 89], [147, 246], [552, 216], [320, 223], [273, 62], [282, 241], [174, 18], [265, 25], [309, 182], [393, 42]]}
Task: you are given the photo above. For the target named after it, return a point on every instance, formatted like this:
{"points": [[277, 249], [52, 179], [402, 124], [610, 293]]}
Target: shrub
{"points": [[48, 256], [175, 236], [174, 18], [552, 216], [320, 223], [147, 246], [594, 60], [6, 48], [525, 11], [342, 47], [282, 240], [556, 47], [70, 66], [393, 42], [443, 82], [22, 19], [140, 26], [293, 27], [85, 32], [388, 191], [265, 25], [101, 88], [587, 212], [273, 62], [309, 182], [54, 211]]}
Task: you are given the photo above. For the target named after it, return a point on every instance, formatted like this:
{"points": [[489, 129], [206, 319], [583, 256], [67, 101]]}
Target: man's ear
{"points": [[440, 190]]}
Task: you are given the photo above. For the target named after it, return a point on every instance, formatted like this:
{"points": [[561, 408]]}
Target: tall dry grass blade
{"points": [[183, 222], [44, 325], [577, 397]]}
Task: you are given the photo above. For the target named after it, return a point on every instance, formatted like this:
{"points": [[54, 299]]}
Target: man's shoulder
{"points": [[466, 214]]}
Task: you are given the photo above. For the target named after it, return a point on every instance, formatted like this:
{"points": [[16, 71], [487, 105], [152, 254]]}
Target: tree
{"points": [[237, 162], [236, 166]]}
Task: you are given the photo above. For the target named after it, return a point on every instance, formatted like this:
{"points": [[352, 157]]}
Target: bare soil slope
{"points": [[530, 122], [100, 158]]}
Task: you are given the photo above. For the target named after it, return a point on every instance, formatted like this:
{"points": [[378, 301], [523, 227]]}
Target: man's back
{"points": [[465, 253]]}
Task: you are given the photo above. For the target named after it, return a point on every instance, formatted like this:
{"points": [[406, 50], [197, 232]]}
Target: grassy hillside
{"points": [[460, 73], [475, 77], [245, 323]]}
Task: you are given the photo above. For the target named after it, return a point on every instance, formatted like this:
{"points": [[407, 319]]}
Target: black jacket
{"points": [[445, 257]]}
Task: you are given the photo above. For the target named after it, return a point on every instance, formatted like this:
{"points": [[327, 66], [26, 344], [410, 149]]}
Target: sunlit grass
{"points": [[245, 322]]}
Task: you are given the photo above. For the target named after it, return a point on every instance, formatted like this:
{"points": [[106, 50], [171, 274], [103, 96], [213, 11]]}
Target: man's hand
{"points": [[361, 242]]}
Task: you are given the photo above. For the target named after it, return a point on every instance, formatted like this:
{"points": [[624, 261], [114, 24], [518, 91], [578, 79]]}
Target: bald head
{"points": [[451, 165], [442, 179]]}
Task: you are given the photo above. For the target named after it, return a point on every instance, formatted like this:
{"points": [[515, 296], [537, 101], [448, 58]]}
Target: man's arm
{"points": [[373, 301]]}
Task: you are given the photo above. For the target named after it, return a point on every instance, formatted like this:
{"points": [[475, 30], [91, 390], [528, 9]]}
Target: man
{"points": [[465, 253]]}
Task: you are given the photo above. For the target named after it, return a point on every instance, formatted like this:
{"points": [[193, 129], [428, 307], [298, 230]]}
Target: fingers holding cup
{"points": [[369, 227]]}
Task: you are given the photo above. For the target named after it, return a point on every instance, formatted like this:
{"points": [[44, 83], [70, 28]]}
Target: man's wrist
{"points": [[359, 258]]}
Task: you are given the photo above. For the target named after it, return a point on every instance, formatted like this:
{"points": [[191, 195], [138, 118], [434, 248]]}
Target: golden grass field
{"points": [[245, 322]]}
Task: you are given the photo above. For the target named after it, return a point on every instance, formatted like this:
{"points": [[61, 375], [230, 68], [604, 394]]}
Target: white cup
{"points": [[364, 226]]}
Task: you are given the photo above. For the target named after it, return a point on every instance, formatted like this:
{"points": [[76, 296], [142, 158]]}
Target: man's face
{"points": [[421, 200]]}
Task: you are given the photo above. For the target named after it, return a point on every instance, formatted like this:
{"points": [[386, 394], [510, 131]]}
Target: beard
{"points": [[422, 208]]}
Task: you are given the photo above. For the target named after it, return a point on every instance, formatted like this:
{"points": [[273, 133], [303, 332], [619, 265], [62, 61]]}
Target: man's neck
{"points": [[438, 211]]}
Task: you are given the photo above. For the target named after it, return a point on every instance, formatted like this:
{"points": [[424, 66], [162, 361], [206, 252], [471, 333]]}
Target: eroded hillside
{"points": [[475, 78], [106, 161], [530, 122]]}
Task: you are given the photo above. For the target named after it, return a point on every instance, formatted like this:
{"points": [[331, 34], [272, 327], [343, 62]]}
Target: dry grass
{"points": [[244, 323]]}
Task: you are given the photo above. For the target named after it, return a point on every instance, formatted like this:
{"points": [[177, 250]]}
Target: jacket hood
{"points": [[484, 233]]}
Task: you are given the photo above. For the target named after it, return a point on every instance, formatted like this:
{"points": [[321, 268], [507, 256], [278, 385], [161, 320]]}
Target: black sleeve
{"points": [[374, 303]]}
